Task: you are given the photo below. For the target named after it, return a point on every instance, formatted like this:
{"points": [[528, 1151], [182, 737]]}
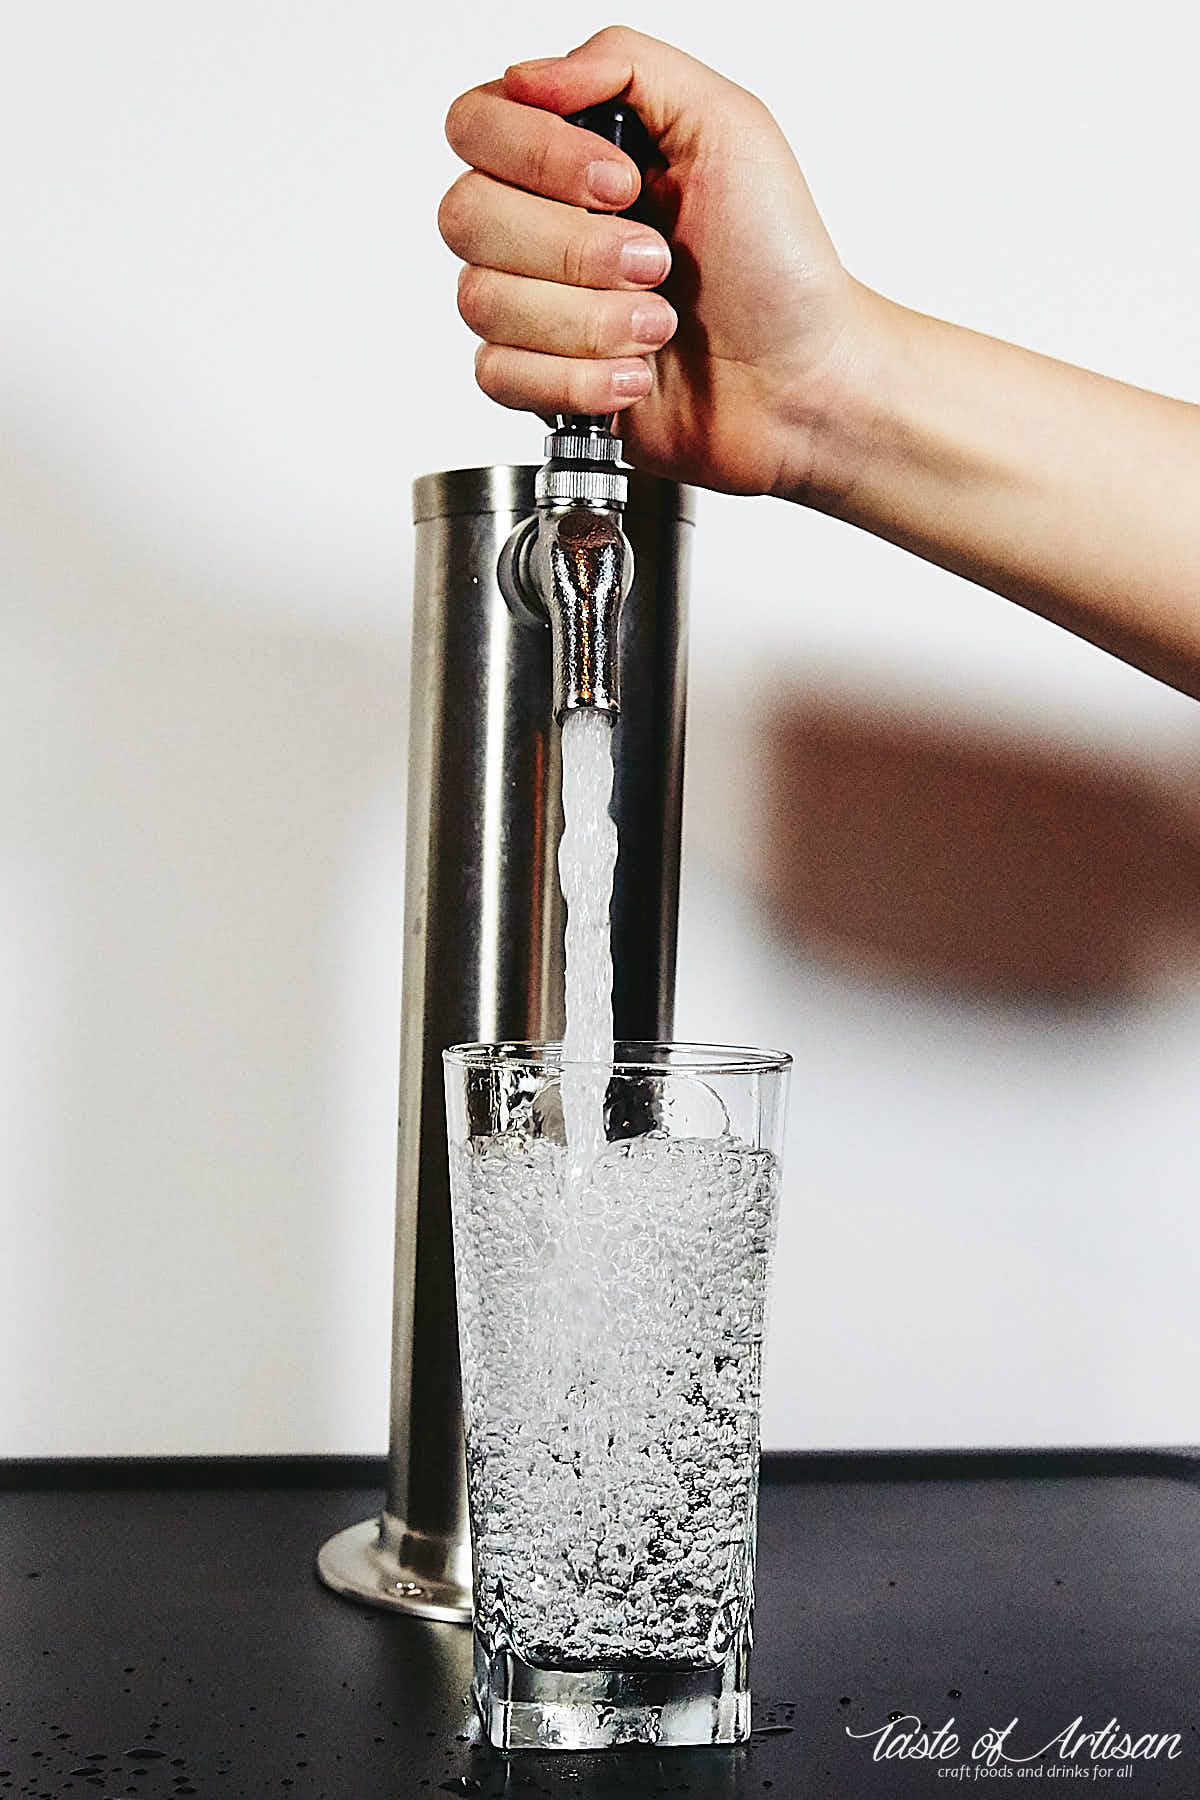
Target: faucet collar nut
{"points": [[602, 487], [579, 446]]}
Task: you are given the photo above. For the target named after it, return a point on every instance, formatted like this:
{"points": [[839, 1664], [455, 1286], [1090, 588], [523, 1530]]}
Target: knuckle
{"points": [[599, 333], [615, 37], [448, 216], [580, 386], [473, 296], [454, 121], [455, 213], [577, 259], [458, 120], [486, 369], [537, 164]]}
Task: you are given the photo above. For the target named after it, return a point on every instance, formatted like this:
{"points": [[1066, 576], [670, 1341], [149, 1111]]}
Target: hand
{"points": [[726, 376], [764, 368]]}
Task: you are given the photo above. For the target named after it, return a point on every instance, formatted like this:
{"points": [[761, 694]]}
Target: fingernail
{"points": [[651, 324], [611, 182], [631, 384], [644, 260], [536, 62]]}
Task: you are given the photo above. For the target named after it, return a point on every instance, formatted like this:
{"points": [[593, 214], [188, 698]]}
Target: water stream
{"points": [[587, 857]]}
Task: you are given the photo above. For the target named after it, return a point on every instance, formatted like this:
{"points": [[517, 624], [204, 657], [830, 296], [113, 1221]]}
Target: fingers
{"points": [[536, 150], [678, 98], [541, 315], [560, 296], [547, 385], [555, 284], [498, 227]]}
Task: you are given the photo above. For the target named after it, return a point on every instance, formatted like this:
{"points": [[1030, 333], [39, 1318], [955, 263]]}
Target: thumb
{"points": [[675, 96]]}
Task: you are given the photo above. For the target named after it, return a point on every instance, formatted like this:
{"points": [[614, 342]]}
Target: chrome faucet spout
{"points": [[571, 565], [582, 565]]}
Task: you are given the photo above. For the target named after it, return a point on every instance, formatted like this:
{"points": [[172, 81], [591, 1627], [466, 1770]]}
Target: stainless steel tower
{"points": [[483, 932]]}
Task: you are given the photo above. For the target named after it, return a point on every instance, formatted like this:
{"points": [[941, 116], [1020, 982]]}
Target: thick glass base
{"points": [[527, 1708]]}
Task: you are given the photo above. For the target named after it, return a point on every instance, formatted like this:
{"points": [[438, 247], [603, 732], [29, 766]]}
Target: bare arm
{"points": [[1076, 496]]}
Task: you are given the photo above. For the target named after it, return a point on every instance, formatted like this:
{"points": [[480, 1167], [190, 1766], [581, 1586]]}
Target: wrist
{"points": [[834, 418]]}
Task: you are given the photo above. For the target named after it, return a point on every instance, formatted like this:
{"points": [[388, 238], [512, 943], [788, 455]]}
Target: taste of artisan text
{"points": [[904, 1739]]}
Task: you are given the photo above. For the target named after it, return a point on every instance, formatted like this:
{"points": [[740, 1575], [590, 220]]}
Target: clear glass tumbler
{"points": [[611, 1313]]}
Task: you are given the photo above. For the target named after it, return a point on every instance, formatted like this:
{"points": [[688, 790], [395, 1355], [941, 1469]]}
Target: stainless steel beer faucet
{"points": [[571, 562], [518, 617]]}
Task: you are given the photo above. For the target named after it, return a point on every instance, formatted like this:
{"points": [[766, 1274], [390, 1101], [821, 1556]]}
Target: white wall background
{"points": [[227, 343]]}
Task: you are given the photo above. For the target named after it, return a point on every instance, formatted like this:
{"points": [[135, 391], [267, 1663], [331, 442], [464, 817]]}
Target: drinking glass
{"points": [[611, 1314]]}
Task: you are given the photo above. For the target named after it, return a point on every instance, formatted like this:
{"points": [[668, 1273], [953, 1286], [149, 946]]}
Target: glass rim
{"points": [[637, 1057]]}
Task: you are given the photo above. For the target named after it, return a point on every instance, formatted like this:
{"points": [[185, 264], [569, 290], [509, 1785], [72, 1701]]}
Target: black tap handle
{"points": [[619, 125]]}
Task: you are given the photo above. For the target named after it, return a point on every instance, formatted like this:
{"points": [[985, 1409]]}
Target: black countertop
{"points": [[162, 1633]]}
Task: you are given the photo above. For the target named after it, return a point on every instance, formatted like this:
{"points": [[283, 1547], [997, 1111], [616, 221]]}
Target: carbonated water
{"points": [[612, 1358]]}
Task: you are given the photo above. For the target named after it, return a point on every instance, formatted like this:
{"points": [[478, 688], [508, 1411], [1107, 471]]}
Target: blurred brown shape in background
{"points": [[976, 860]]}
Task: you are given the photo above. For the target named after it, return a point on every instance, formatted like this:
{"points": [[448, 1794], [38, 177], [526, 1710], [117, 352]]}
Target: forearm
{"points": [[1074, 495]]}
